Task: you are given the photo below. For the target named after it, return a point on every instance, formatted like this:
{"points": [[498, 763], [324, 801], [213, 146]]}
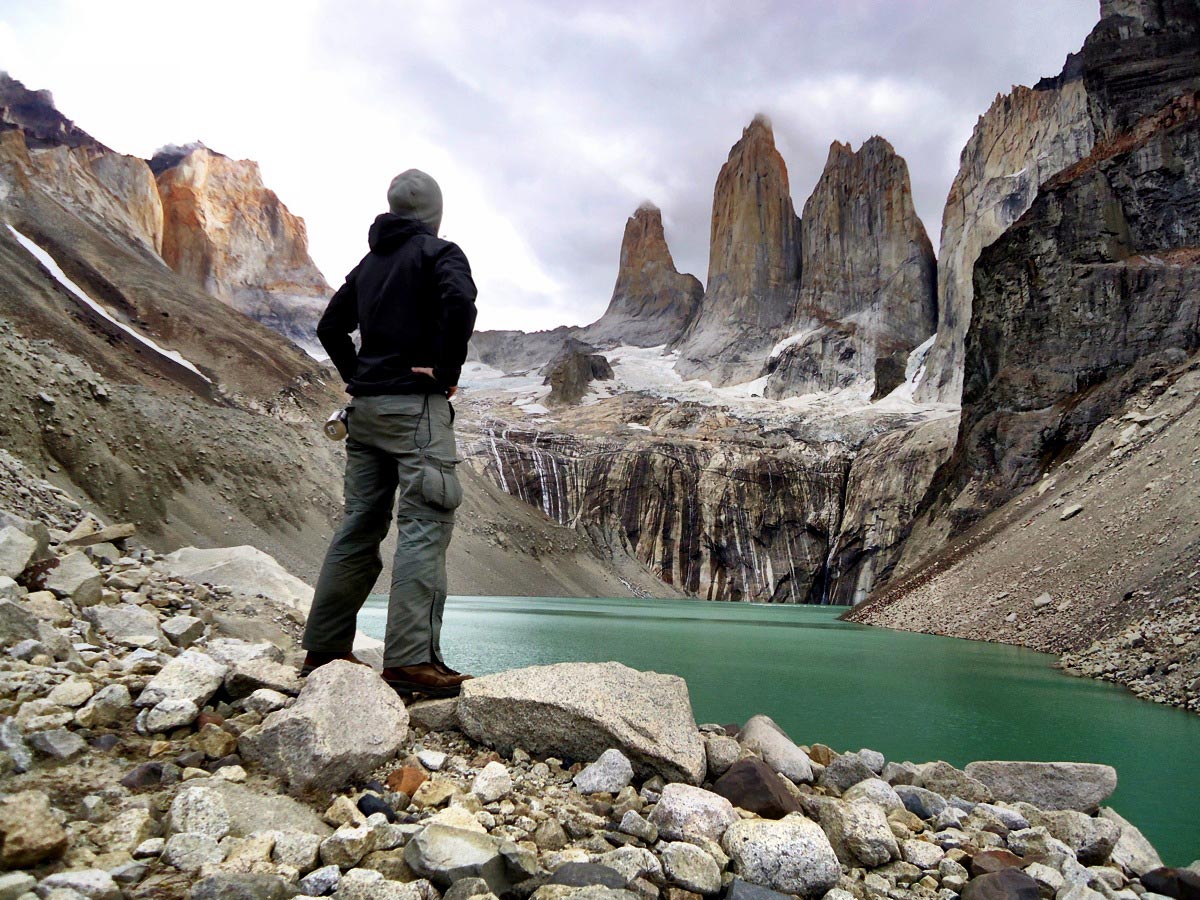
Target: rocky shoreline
{"points": [[156, 741]]}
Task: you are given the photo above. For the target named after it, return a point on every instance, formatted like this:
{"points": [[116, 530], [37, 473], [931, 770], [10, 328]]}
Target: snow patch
{"points": [[60, 276], [791, 340]]}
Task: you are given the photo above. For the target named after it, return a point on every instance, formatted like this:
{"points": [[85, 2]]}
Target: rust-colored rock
{"points": [[226, 232], [651, 302], [406, 779]]}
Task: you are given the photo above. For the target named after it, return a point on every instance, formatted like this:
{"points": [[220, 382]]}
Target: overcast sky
{"points": [[546, 123]]}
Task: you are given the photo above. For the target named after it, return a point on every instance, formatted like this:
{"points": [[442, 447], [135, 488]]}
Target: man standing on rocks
{"points": [[413, 302]]}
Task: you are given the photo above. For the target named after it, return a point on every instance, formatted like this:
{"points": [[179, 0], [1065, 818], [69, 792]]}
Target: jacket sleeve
{"points": [[338, 321], [457, 291]]}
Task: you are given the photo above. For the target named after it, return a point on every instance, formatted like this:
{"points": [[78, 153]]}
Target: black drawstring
{"points": [[427, 416]]}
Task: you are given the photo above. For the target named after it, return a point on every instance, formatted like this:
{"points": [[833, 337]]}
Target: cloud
{"points": [[546, 124]]}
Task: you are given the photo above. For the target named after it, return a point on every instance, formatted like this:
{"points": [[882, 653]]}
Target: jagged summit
{"points": [[171, 155], [652, 301], [34, 113]]}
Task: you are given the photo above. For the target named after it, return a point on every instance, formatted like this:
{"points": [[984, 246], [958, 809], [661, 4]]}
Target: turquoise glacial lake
{"points": [[911, 696]]}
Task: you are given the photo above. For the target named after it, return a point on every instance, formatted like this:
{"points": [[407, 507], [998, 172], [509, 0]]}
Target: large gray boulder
{"points": [[344, 725], [1048, 785], [778, 751], [445, 855], [791, 855], [583, 709], [212, 806]]}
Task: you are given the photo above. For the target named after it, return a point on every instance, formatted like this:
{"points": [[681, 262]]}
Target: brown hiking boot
{"points": [[314, 660], [423, 678], [446, 670]]}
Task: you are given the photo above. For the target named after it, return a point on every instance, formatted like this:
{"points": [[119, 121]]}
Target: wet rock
{"points": [[77, 578], [689, 867], [29, 833], [1008, 884], [791, 855], [609, 773], [687, 813], [344, 725], [191, 675], [754, 786], [762, 735], [1048, 785], [859, 833], [583, 709], [445, 855]]}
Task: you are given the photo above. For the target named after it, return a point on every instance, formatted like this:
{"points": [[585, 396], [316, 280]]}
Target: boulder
{"points": [[344, 725], [17, 550], [77, 578], [191, 675], [691, 868], [435, 715], [106, 707], [188, 851], [791, 855], [183, 631], [581, 874], [1132, 852], [611, 772], [583, 709], [1181, 884], [169, 714], [215, 804], [57, 743], [878, 792], [241, 886], [243, 679], [94, 884], [29, 833], [1007, 884], [920, 802], [445, 855], [687, 813], [1091, 839], [942, 778], [754, 786], [859, 833], [845, 772], [1047, 785], [348, 845], [763, 736], [492, 782], [126, 624], [12, 742], [721, 752], [740, 889], [248, 570]]}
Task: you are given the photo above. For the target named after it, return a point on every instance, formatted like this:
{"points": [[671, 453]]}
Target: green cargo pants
{"points": [[400, 450]]}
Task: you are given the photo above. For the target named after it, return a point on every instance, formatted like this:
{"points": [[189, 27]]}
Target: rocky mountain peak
{"points": [[171, 155], [754, 263], [652, 301], [225, 231], [34, 113], [869, 286]]}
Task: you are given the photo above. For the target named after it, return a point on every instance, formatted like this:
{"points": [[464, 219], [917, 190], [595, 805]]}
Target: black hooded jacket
{"points": [[413, 301]]}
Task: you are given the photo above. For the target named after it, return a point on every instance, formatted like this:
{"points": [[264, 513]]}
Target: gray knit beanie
{"points": [[414, 195]]}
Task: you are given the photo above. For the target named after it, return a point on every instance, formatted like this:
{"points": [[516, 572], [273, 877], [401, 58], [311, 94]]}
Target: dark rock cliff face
{"points": [[722, 521], [868, 291], [33, 113], [1096, 289], [572, 370], [651, 302], [753, 268]]}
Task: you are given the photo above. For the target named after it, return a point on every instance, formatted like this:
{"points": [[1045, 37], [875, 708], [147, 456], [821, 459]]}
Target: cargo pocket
{"points": [[439, 483]]}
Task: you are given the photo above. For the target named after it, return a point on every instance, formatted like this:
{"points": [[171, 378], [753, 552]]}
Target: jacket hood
{"points": [[389, 231]]}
